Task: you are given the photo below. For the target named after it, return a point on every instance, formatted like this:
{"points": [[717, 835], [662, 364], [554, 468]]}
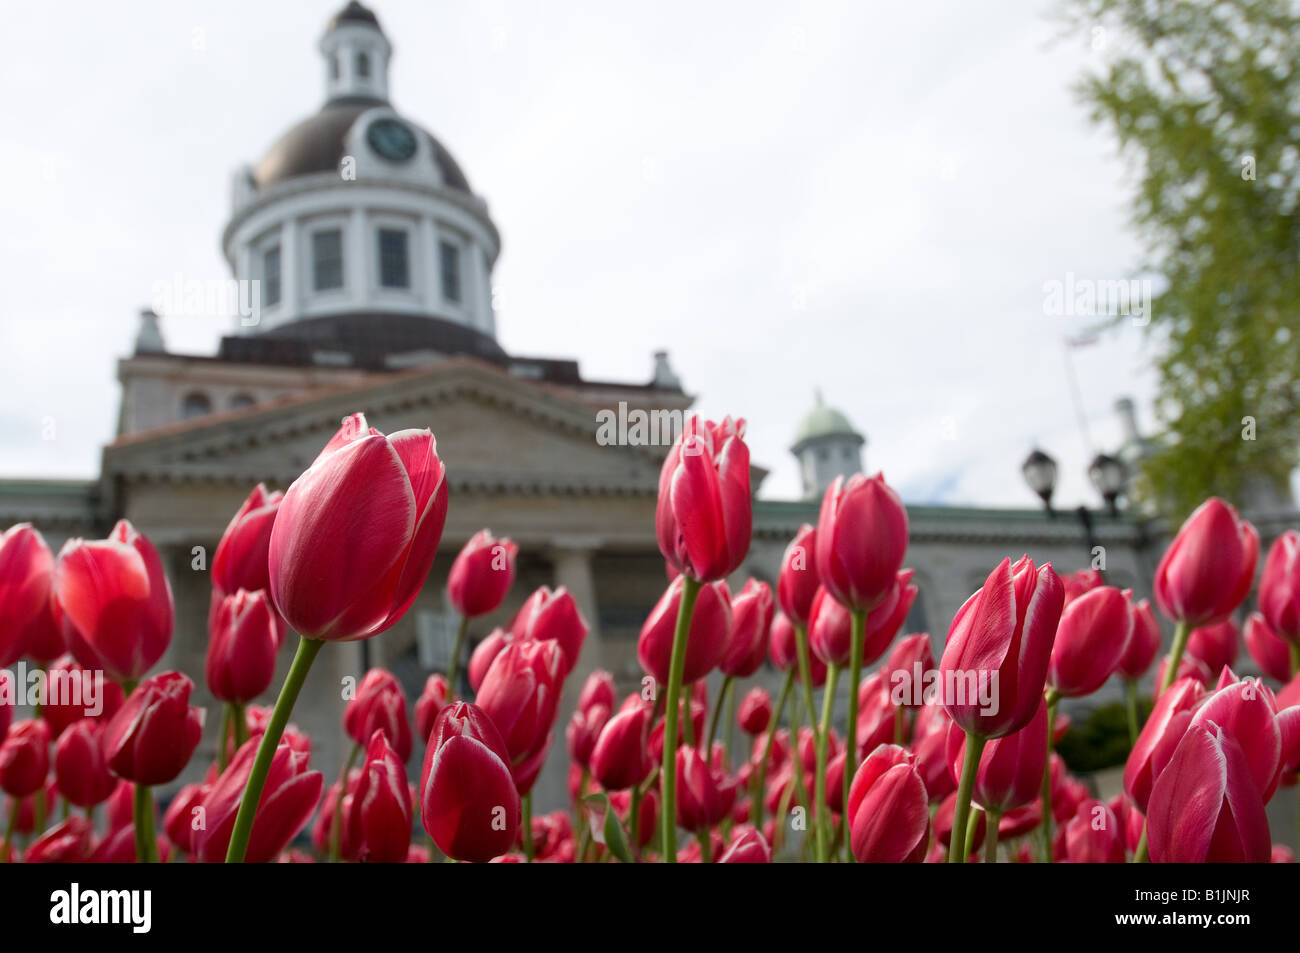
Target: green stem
{"points": [[223, 741], [308, 649], [146, 844], [858, 621], [1052, 699], [1295, 659], [336, 822], [668, 773], [728, 737], [38, 811], [760, 776], [706, 849], [991, 838], [823, 737], [961, 810], [14, 806], [1140, 856], [1181, 632], [634, 821], [1131, 705], [240, 723], [805, 673], [727, 682], [528, 827], [455, 655], [972, 828]]}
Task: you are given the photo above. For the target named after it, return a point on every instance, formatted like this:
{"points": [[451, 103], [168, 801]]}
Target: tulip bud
{"points": [[287, 803], [1164, 728], [552, 616], [755, 713], [1003, 634], [1010, 773], [69, 842], [930, 746], [784, 652], [905, 667], [381, 805], [43, 640], [1271, 652], [704, 514], [468, 803], [25, 758], [356, 533], [1209, 567], [84, 694], [1279, 587], [598, 690], [751, 621], [432, 700], [482, 574], [621, 758], [152, 738], [705, 794], [797, 584], [521, 693], [379, 705], [1247, 710], [1143, 645], [1205, 806], [888, 810], [706, 640], [747, 847], [240, 561], [241, 647], [26, 570], [117, 602], [1215, 645], [861, 540], [182, 813], [830, 630], [1093, 836], [80, 765], [1092, 637], [583, 731]]}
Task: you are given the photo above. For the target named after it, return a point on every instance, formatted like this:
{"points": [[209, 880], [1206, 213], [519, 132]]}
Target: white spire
{"points": [[356, 55]]}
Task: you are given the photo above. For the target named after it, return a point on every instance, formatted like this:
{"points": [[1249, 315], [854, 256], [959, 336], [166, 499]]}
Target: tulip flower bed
{"points": [[941, 760]]}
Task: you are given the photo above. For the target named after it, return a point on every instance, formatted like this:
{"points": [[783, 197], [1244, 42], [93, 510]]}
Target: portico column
{"points": [[572, 559]]}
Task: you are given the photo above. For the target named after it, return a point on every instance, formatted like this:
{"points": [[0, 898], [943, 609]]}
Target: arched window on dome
{"points": [[195, 404], [363, 65]]}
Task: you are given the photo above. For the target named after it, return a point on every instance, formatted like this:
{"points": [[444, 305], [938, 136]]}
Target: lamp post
{"points": [[1109, 477], [1107, 474], [1040, 473]]}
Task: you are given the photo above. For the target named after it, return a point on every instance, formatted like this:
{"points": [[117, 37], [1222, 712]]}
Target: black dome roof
{"points": [[353, 13], [317, 145]]}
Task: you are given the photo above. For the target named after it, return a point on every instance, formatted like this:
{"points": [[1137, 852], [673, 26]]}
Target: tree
{"points": [[1204, 98]]}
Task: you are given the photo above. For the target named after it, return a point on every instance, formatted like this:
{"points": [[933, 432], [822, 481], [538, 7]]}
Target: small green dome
{"points": [[824, 421]]}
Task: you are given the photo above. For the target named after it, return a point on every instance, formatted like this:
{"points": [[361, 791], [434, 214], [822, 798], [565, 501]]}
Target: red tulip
{"points": [[485, 653], [1077, 583], [520, 693], [1279, 586], [552, 616], [1189, 667], [1093, 836], [75, 693], [431, 702], [1247, 710], [583, 731], [287, 803], [884, 621], [1164, 727], [1091, 639], [185, 815], [889, 810], [241, 647], [1004, 632], [119, 848], [381, 805], [240, 561], [1271, 652], [1143, 645], [647, 813], [379, 705], [930, 746], [876, 714], [704, 515], [784, 653], [81, 766], [621, 757], [861, 540], [356, 533], [747, 847], [117, 601], [1215, 645], [905, 667], [1010, 773], [25, 758], [468, 801], [755, 712], [43, 640], [751, 621], [1130, 820], [797, 584], [154, 735], [26, 569], [70, 842], [598, 690], [323, 830], [6, 703], [705, 794], [830, 636], [482, 574], [706, 640], [1208, 568], [1205, 806]]}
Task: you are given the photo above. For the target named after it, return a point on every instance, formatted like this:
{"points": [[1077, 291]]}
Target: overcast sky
{"points": [[863, 197]]}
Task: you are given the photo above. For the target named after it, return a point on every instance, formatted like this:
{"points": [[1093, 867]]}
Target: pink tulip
{"points": [[241, 647], [1010, 774], [861, 540], [1279, 586], [1208, 568], [1144, 644], [755, 712], [151, 740], [905, 669], [381, 808], [356, 534], [706, 639], [1215, 645], [26, 571], [797, 584], [884, 621], [1091, 639], [747, 847], [751, 621], [888, 810], [1271, 652], [482, 574], [1093, 836], [1164, 727], [552, 616], [240, 561], [379, 705]]}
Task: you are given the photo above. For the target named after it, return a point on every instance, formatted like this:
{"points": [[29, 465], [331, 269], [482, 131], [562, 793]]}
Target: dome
{"points": [[823, 421], [317, 144], [353, 13]]}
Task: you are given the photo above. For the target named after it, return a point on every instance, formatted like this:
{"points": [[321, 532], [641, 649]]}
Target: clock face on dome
{"points": [[391, 139]]}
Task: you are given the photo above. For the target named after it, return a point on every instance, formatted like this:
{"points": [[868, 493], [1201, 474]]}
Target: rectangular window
{"points": [[449, 268], [327, 259], [271, 276], [393, 272]]}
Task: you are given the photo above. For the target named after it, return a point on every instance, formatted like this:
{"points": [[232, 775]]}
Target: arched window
{"points": [[195, 404], [363, 65], [242, 400]]}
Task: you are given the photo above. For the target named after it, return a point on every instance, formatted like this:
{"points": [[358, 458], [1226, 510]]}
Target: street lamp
{"points": [[1040, 473], [1108, 475]]}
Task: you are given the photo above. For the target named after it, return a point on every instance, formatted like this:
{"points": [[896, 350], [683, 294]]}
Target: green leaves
{"points": [[606, 828]]}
